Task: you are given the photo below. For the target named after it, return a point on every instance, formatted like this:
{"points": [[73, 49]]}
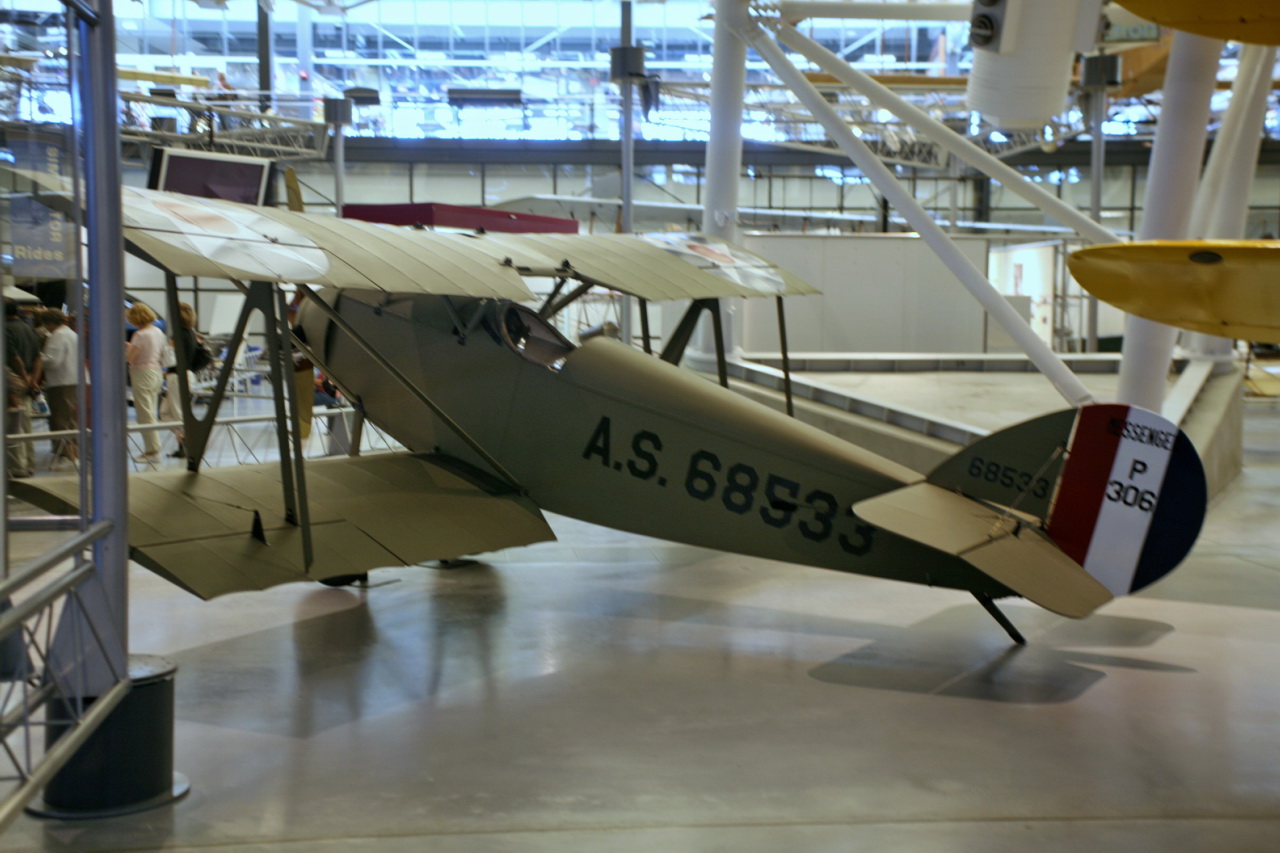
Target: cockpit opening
{"points": [[533, 337]]}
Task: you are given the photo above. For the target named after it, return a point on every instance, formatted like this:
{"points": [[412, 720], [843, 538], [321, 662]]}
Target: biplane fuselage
{"points": [[609, 435]]}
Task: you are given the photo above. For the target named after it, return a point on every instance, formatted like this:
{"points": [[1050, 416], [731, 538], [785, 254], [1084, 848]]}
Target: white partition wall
{"points": [[880, 293]]}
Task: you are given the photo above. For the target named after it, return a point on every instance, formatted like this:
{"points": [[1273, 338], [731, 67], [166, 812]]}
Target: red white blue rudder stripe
{"points": [[1131, 498]]}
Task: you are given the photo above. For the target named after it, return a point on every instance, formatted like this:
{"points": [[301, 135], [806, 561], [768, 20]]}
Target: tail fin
{"points": [[1118, 490]]}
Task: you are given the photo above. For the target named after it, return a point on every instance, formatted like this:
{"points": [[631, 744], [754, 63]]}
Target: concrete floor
{"points": [[608, 692]]}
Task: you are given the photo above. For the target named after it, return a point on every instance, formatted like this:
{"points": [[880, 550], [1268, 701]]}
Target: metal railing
{"points": [[38, 690]]}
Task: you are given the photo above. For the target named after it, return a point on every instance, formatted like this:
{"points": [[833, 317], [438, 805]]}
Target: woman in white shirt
{"points": [[61, 373], [143, 352]]}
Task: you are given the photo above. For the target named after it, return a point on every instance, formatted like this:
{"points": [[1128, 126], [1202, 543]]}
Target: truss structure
{"points": [[894, 141], [201, 125]]}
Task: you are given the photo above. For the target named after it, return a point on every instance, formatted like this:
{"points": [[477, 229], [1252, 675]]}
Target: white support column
{"points": [[724, 143], [724, 151], [1166, 214], [1066, 382], [1222, 200]]}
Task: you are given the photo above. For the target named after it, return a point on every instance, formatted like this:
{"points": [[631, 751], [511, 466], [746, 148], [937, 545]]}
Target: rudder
{"points": [[1119, 489]]}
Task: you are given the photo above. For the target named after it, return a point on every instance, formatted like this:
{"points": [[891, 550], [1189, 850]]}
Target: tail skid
{"points": [[1067, 510]]}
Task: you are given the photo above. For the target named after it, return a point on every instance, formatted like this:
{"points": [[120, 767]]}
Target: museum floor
{"points": [[608, 692]]}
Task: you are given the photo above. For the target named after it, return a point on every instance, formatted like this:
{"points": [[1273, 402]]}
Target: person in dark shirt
{"points": [[22, 358]]}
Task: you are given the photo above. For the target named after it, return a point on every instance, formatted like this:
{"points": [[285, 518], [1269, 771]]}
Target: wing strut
{"points": [[282, 370], [644, 326], [266, 297], [786, 356], [675, 348], [369, 350], [197, 430]]}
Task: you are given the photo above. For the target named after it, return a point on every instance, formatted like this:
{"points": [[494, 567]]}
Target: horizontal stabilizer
{"points": [[194, 529], [1002, 544]]}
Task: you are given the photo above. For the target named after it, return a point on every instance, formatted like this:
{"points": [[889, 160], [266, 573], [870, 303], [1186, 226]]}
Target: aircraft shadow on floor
{"points": [[952, 653], [372, 658], [366, 659], [931, 657]]}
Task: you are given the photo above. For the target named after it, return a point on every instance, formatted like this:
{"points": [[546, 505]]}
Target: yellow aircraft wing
{"points": [[1254, 21], [194, 529], [1220, 287]]}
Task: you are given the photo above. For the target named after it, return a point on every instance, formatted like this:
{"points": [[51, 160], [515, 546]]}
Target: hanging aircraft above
{"points": [[1218, 287], [503, 417], [1252, 21]]}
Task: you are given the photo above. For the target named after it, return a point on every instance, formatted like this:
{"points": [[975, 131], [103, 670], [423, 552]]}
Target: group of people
{"points": [[43, 362], [42, 358]]}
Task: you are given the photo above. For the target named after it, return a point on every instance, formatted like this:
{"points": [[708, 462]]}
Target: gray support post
{"points": [[105, 596], [264, 58], [1097, 166], [627, 138], [626, 90]]}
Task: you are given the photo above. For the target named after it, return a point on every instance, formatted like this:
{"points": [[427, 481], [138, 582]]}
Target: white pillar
{"points": [[724, 143], [1166, 214], [1222, 200], [724, 152]]}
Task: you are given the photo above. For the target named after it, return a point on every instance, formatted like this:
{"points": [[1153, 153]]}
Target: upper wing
{"points": [[194, 529], [217, 239], [651, 266], [205, 237]]}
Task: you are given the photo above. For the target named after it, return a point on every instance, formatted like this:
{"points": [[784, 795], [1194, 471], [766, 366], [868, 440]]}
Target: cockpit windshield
{"points": [[533, 337]]}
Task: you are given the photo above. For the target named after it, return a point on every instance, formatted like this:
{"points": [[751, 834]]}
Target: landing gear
{"points": [[990, 606]]}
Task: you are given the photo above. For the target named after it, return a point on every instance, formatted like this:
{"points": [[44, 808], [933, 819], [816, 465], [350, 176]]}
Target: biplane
{"points": [[438, 340]]}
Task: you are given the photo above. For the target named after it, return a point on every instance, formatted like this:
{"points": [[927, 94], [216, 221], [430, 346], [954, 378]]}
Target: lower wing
{"points": [[197, 529]]}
